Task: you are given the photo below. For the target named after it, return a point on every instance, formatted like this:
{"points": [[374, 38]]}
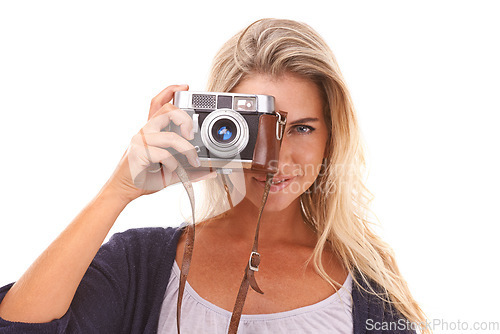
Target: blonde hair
{"points": [[336, 206]]}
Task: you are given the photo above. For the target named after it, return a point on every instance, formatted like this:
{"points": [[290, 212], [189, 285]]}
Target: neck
{"points": [[283, 226]]}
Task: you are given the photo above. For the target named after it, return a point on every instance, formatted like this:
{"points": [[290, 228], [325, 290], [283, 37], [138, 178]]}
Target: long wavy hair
{"points": [[336, 205]]}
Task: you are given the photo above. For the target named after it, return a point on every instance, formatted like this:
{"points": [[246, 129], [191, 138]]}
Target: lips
{"points": [[278, 182]]}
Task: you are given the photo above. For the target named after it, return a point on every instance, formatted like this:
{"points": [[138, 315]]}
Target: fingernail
{"points": [[197, 162]]}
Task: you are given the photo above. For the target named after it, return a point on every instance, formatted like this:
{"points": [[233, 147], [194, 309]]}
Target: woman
{"points": [[323, 270]]}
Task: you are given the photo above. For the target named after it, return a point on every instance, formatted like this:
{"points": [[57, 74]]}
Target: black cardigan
{"points": [[123, 290]]}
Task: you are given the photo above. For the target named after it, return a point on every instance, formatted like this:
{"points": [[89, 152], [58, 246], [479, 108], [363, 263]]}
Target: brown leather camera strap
{"points": [[251, 268], [266, 151]]}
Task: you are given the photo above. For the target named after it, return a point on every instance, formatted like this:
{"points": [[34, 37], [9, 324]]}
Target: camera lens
{"points": [[224, 131]]}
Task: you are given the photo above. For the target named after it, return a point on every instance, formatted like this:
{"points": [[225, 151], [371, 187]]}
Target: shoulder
{"points": [[149, 234], [372, 310], [149, 249], [148, 237]]}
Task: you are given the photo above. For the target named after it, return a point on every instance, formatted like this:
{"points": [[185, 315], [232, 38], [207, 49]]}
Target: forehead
{"points": [[297, 96]]}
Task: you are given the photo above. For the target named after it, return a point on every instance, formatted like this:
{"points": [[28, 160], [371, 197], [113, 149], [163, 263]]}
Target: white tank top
{"points": [[331, 315]]}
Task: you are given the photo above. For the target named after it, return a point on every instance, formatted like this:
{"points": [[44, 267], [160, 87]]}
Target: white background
{"points": [[76, 81]]}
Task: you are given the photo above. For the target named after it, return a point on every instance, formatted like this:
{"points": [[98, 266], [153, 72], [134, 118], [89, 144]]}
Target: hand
{"points": [[138, 172]]}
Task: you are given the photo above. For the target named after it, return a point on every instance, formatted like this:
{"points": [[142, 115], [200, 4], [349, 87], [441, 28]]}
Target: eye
{"points": [[303, 129]]}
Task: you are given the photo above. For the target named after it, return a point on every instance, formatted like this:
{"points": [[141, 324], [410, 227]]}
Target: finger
{"points": [[159, 155], [164, 97], [143, 159], [169, 113], [153, 181], [163, 140]]}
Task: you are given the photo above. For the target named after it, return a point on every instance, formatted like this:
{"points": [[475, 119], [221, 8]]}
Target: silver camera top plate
{"points": [[215, 100]]}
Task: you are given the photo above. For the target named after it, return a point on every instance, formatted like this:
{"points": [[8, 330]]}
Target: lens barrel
{"points": [[224, 132]]}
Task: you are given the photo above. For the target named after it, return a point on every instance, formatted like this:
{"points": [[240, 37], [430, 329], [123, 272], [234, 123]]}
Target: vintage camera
{"points": [[234, 130]]}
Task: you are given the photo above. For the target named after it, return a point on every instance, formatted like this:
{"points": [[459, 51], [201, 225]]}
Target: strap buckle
{"points": [[257, 260]]}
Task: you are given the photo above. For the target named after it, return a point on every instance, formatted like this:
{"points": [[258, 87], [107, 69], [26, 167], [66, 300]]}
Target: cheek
{"points": [[310, 167], [309, 158]]}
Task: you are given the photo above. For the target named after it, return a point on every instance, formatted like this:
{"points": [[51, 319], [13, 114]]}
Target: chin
{"points": [[281, 195], [277, 203]]}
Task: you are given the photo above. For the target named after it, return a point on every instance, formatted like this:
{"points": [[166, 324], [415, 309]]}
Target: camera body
{"points": [[234, 130]]}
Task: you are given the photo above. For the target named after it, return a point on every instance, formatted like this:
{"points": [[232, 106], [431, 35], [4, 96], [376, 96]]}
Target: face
{"points": [[304, 140]]}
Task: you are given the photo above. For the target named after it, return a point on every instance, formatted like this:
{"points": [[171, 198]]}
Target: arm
{"points": [[47, 288]]}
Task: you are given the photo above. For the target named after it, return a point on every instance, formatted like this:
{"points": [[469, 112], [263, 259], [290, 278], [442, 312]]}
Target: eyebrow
{"points": [[304, 120]]}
